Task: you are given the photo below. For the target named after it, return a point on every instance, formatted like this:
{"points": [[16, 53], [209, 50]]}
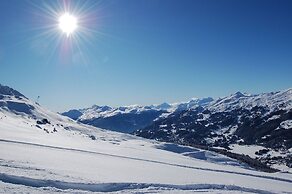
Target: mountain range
{"points": [[263, 121], [127, 119]]}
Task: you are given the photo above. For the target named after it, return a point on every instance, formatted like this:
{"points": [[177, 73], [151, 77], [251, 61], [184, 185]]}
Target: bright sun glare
{"points": [[68, 23]]}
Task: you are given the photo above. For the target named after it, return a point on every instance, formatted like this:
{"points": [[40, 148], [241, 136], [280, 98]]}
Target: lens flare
{"points": [[67, 31]]}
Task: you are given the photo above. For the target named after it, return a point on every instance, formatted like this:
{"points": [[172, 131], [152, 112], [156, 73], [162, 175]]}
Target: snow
{"points": [[273, 117], [246, 149], [250, 150], [286, 124], [41, 165], [273, 101], [68, 160], [105, 111]]}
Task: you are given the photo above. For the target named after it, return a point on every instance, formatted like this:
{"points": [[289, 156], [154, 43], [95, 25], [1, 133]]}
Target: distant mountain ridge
{"points": [[129, 118], [263, 120]]}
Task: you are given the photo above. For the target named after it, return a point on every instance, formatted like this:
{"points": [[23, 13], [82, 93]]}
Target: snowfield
{"points": [[35, 161], [59, 155]]}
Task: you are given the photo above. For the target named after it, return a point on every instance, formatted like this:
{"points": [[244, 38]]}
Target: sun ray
{"points": [[83, 31]]}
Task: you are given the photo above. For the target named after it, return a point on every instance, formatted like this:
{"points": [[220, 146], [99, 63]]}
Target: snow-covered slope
{"points": [[271, 101], [43, 152]]}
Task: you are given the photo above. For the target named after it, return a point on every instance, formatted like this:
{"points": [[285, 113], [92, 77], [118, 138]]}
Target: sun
{"points": [[68, 23]]}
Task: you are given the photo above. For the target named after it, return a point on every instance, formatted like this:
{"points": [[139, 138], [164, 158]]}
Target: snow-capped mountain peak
{"points": [[132, 117], [272, 101], [5, 90], [163, 106]]}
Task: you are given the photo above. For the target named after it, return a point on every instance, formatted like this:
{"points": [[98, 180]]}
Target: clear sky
{"points": [[144, 51]]}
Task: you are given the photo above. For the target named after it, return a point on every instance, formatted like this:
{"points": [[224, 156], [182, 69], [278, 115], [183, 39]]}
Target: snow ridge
{"points": [[113, 187]]}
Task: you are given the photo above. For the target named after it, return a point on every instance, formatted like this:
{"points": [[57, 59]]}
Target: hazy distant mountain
{"points": [[129, 118]]}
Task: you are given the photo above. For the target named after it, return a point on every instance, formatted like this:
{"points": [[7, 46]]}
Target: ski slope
{"points": [[34, 161]]}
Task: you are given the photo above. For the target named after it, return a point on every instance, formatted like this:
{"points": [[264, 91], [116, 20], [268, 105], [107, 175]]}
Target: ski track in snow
{"points": [[145, 160], [114, 187]]}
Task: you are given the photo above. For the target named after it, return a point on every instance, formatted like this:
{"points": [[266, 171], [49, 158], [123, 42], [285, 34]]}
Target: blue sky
{"points": [[146, 51]]}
